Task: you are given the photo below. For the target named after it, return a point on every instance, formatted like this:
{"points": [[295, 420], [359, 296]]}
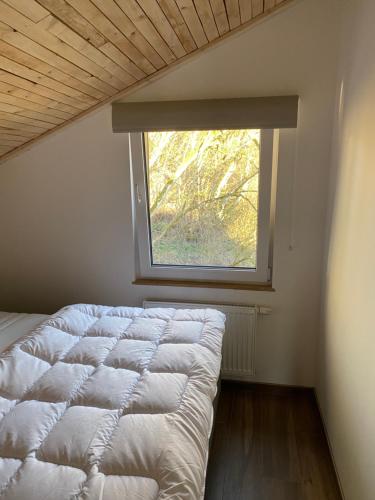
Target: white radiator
{"points": [[240, 335]]}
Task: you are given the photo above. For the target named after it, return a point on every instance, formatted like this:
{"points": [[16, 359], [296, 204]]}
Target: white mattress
{"points": [[109, 404], [16, 325]]}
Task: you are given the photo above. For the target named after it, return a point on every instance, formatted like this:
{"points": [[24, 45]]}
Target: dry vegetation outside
{"points": [[203, 197]]}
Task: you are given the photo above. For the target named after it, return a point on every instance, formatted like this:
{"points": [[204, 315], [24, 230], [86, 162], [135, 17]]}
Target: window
{"points": [[201, 203]]}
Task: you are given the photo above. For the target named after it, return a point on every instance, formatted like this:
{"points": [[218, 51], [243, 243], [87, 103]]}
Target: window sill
{"points": [[257, 287]]}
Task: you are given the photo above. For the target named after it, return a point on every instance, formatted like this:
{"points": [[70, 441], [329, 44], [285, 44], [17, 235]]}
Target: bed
{"points": [[115, 403], [16, 325]]}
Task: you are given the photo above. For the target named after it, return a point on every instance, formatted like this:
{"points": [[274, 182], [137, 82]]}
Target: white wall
{"points": [[346, 388], [65, 204]]}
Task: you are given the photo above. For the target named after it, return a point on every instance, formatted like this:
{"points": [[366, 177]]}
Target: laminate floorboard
{"points": [[269, 444]]}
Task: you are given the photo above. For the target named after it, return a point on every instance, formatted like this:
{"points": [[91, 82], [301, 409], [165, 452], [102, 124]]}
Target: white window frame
{"points": [[142, 234]]}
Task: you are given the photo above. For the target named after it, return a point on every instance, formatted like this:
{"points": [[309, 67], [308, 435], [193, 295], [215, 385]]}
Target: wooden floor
{"points": [[269, 444]]}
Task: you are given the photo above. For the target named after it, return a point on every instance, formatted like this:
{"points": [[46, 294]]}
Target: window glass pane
{"points": [[203, 197]]}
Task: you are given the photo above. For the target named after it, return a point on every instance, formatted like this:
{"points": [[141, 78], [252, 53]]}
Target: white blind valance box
{"points": [[206, 114]]}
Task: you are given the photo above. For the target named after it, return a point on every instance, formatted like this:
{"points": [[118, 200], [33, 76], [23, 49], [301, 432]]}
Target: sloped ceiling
{"points": [[61, 58]]}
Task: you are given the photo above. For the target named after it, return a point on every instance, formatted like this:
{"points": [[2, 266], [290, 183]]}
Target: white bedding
{"points": [[16, 325], [110, 403]]}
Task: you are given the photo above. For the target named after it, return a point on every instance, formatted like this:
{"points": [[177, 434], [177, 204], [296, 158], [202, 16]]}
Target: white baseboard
{"points": [[329, 444]]}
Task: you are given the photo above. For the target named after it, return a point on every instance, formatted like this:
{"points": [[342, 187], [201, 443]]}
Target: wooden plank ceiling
{"points": [[60, 58]]}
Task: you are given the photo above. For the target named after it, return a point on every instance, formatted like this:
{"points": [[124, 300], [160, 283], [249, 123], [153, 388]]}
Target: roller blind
{"points": [[207, 114]]}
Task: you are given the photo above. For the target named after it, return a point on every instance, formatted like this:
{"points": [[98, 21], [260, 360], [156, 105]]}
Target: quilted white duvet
{"points": [[109, 403]]}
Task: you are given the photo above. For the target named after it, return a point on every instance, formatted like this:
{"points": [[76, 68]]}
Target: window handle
{"points": [[139, 196]]}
